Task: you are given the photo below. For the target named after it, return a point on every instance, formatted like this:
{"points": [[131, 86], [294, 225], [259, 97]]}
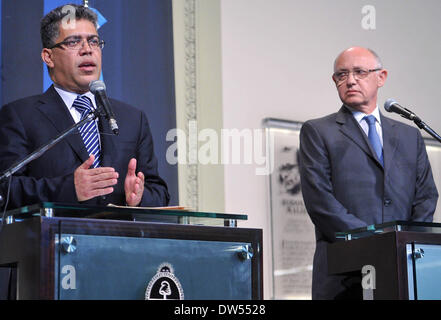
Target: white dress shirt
{"points": [[69, 98], [358, 115]]}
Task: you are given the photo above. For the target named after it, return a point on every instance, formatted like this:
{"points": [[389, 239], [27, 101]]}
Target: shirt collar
{"points": [[358, 115], [69, 97]]}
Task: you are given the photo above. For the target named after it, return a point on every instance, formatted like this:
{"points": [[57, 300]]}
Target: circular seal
{"points": [[164, 285]]}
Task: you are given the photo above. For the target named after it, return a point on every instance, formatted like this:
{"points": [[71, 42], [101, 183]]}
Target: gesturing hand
{"points": [[133, 185], [91, 183]]}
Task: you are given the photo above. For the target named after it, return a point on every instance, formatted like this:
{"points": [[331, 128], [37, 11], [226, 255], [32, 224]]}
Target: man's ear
{"points": [[382, 76], [46, 56]]}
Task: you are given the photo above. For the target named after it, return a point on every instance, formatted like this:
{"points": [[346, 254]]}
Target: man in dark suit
{"points": [[121, 170], [354, 173]]}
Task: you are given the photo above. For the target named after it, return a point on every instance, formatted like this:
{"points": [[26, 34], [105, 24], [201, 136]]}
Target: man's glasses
{"points": [[76, 43], [341, 76]]}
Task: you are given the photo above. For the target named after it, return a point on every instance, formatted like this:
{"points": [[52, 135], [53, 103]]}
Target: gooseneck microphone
{"points": [[392, 106], [98, 88]]}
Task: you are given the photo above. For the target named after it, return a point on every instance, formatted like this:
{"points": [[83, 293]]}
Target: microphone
{"points": [[98, 88], [392, 106]]}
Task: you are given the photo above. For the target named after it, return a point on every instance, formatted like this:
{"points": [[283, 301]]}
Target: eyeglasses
{"points": [[341, 76], [76, 43]]}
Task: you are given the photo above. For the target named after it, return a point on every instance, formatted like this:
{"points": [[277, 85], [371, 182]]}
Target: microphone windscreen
{"points": [[96, 85], [388, 104]]}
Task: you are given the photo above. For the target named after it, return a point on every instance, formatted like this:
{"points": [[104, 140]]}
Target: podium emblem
{"points": [[164, 285]]}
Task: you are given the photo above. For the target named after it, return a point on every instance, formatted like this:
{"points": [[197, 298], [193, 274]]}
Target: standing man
{"points": [[360, 168], [93, 166]]}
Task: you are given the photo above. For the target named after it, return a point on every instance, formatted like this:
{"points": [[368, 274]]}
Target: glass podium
{"points": [[163, 214], [70, 252], [405, 257], [424, 227]]}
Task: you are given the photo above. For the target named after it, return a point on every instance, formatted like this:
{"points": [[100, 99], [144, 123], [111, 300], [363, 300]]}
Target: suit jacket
{"points": [[29, 123], [345, 187]]}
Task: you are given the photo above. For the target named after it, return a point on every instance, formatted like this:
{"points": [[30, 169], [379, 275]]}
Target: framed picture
{"points": [[292, 232]]}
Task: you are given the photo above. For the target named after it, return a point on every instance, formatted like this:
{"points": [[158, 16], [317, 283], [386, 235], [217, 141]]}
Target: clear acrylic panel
{"points": [[426, 227]]}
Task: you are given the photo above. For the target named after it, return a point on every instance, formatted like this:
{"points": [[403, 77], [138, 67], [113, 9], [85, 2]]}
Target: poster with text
{"points": [[293, 239]]}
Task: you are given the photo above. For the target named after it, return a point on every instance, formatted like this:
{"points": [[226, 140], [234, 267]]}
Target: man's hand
{"points": [[91, 183], [133, 185]]}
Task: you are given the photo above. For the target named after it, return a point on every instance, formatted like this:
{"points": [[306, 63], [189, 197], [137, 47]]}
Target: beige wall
{"points": [[197, 53]]}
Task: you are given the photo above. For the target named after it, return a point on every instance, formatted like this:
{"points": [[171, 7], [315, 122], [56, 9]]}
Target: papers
{"points": [[181, 208]]}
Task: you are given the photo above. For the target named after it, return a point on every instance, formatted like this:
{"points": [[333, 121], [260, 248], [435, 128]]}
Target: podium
{"points": [[64, 252], [402, 260]]}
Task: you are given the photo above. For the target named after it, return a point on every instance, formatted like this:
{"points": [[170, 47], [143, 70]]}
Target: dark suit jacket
{"points": [[345, 187], [29, 123]]}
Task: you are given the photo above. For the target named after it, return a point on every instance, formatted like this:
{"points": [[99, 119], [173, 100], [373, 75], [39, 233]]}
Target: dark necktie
{"points": [[88, 131], [374, 139]]}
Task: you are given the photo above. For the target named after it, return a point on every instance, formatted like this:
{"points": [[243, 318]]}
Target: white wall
{"points": [[277, 60]]}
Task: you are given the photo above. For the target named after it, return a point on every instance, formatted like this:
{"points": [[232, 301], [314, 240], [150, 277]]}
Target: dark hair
{"points": [[50, 24]]}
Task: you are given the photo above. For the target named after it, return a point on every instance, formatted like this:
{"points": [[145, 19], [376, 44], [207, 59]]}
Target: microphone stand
{"points": [[420, 123], [40, 151]]}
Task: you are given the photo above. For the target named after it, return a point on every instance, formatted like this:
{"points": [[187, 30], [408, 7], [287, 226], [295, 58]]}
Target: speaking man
{"points": [[93, 166]]}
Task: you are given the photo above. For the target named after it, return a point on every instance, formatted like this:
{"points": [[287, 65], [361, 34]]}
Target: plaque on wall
{"points": [[292, 232]]}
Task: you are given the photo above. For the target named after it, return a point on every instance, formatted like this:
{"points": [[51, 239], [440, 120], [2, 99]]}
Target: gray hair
{"points": [[50, 24], [376, 56]]}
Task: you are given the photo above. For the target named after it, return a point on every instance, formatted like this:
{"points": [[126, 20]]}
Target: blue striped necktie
{"points": [[373, 137], [88, 131]]}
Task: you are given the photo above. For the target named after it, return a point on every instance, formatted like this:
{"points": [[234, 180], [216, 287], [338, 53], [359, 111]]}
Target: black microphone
{"points": [[98, 88], [392, 106]]}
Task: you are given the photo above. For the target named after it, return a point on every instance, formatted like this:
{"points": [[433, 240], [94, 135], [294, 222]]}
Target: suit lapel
{"points": [[352, 130], [53, 107], [390, 140]]}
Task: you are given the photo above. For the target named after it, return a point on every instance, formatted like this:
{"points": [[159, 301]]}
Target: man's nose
{"points": [[351, 79], [85, 47]]}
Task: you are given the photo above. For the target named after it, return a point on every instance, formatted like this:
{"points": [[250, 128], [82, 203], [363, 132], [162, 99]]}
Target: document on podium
{"points": [[181, 208]]}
